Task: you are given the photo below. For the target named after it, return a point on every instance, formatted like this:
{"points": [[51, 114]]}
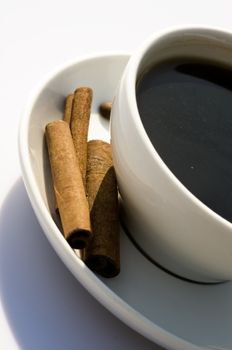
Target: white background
{"points": [[42, 306]]}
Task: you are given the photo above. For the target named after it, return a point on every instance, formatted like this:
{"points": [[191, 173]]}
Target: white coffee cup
{"points": [[169, 223]]}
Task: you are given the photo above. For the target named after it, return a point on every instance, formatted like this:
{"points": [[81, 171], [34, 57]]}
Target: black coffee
{"points": [[186, 109]]}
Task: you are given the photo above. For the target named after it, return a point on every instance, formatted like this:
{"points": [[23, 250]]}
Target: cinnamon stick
{"points": [[68, 108], [81, 109], [68, 184], [105, 109], [102, 252], [67, 119]]}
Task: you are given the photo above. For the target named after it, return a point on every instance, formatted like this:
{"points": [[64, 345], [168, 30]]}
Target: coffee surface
{"points": [[186, 109]]}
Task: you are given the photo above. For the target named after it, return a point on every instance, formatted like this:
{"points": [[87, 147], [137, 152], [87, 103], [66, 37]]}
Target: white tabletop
{"points": [[42, 306]]}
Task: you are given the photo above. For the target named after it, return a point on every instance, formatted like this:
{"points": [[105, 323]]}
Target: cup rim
{"points": [[130, 84]]}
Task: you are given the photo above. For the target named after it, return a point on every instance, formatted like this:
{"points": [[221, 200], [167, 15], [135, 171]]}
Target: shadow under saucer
{"points": [[45, 305]]}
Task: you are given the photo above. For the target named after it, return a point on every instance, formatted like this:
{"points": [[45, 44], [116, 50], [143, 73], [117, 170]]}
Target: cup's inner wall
{"points": [[195, 44]]}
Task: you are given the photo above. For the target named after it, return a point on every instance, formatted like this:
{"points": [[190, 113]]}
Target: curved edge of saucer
{"points": [[87, 278]]}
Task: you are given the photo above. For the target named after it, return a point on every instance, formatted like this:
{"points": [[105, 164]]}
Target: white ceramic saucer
{"points": [[169, 311]]}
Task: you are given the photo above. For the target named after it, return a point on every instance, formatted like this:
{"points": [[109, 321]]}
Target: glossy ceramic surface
{"points": [[169, 223], [171, 312]]}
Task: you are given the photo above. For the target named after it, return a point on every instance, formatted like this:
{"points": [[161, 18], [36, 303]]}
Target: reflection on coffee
{"points": [[186, 109]]}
